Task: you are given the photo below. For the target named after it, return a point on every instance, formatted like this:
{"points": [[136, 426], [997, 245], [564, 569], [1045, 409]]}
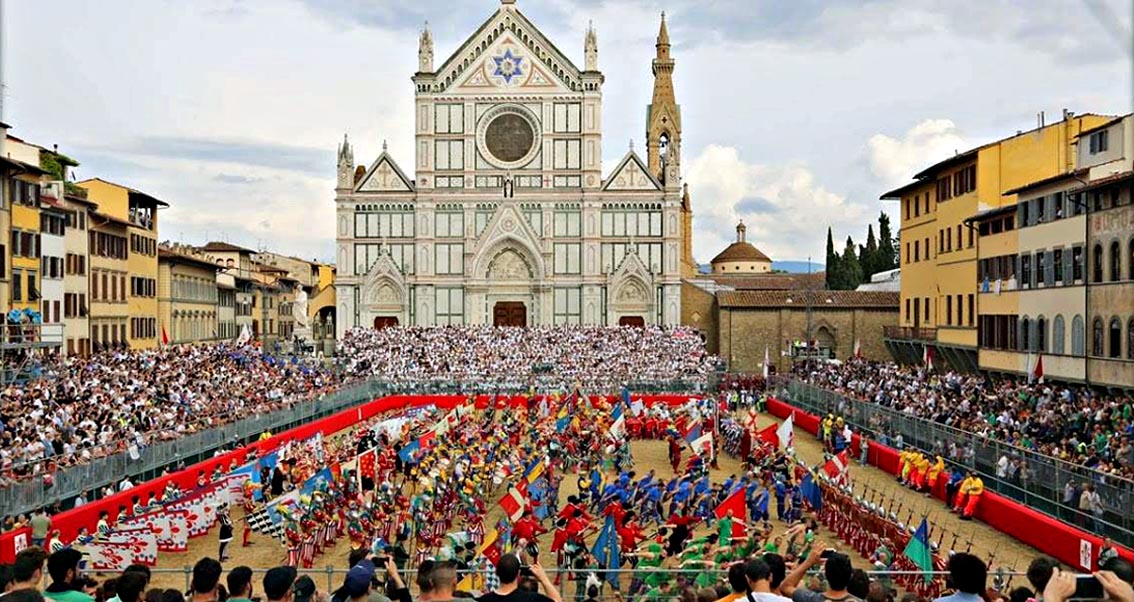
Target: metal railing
{"points": [[28, 494], [910, 333], [1039, 482], [570, 585]]}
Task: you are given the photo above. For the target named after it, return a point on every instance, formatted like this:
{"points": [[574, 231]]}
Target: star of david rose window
{"points": [[508, 136]]}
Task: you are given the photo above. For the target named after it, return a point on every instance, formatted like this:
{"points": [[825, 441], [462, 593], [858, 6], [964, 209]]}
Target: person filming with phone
{"points": [[836, 568], [509, 570]]}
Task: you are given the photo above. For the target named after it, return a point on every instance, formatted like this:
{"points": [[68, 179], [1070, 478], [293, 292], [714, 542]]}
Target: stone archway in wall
{"points": [[509, 265], [632, 302], [508, 259]]}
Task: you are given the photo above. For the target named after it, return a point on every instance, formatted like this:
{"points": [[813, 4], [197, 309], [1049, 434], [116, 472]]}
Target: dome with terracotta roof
{"points": [[741, 257]]}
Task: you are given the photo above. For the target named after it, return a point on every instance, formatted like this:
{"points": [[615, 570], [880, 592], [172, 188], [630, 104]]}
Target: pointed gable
{"points": [[509, 52], [631, 174], [508, 228], [384, 175]]}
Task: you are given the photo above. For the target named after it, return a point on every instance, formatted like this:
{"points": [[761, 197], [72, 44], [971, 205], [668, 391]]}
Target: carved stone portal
{"points": [[509, 265]]}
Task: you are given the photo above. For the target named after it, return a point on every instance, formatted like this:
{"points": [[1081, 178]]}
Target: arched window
{"points": [[1041, 334], [1130, 261], [1115, 337], [1115, 262], [1078, 336], [1096, 265], [1057, 334], [1025, 334], [1097, 338], [1130, 339]]}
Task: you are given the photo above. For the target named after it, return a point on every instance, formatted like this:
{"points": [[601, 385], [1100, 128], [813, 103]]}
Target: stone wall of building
{"points": [[699, 310]]}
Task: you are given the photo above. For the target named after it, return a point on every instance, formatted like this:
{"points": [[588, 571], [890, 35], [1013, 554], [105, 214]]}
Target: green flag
{"points": [[918, 550]]}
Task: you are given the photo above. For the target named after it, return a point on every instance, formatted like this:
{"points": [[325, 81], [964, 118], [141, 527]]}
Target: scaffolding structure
{"points": [[23, 346]]}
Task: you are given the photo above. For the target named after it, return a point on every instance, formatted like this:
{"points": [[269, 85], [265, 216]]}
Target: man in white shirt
{"points": [[759, 575]]}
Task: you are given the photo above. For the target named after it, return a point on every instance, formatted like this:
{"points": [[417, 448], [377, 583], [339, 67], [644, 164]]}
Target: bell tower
{"points": [[663, 118]]}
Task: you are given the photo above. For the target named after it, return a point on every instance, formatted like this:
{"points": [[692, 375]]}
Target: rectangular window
{"points": [[960, 312], [566, 118], [972, 308], [1099, 142], [482, 219], [449, 154], [535, 219], [449, 119], [567, 223], [450, 224], [566, 154], [450, 306], [948, 310], [568, 258], [17, 285], [450, 258], [1057, 265], [917, 250], [567, 308]]}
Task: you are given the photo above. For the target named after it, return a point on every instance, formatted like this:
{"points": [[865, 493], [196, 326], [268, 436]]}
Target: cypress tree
{"points": [[850, 269], [887, 253], [868, 255], [832, 262]]}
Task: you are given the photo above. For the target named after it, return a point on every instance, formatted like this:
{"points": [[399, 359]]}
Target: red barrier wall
{"points": [[1052, 537], [70, 522]]}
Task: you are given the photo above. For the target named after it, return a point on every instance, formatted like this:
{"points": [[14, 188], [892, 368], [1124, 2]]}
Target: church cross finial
{"points": [[631, 145], [383, 146]]}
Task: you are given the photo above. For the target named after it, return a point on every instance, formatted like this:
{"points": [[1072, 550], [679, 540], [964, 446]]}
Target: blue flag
{"points": [[409, 451], [607, 552], [250, 471], [626, 396], [311, 484], [810, 491], [694, 433]]}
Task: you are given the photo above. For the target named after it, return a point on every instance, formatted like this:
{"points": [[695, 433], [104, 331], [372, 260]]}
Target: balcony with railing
{"points": [[909, 333]]}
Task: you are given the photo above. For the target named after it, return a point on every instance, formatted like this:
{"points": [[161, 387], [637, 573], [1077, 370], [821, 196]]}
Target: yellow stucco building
{"points": [[938, 242], [139, 212]]}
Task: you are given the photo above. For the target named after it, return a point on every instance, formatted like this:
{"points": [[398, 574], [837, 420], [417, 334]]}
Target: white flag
{"points": [[784, 432], [766, 362]]}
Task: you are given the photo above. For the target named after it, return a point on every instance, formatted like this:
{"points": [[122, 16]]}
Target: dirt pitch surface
{"points": [[986, 541]]}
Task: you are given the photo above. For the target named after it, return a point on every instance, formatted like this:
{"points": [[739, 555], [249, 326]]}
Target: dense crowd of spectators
{"points": [[1072, 423], [84, 408], [594, 357]]}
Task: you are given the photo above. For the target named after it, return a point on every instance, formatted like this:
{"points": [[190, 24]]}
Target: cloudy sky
{"points": [[796, 113]]}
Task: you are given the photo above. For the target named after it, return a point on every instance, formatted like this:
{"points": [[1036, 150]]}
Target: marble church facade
{"points": [[509, 219]]}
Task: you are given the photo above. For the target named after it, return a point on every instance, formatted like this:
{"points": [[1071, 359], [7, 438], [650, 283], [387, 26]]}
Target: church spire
{"points": [[663, 116], [590, 48], [346, 164], [425, 51]]}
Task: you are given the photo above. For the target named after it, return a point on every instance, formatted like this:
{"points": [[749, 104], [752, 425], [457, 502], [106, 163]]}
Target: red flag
{"points": [[366, 464], [735, 503], [513, 503], [837, 465], [426, 440], [1037, 370], [164, 336], [768, 435]]}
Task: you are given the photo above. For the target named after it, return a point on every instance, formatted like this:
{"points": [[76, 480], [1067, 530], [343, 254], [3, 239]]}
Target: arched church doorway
{"points": [[381, 322], [510, 313], [633, 321]]}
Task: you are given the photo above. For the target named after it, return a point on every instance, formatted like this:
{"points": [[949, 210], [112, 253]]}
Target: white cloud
{"points": [[894, 161], [785, 208]]}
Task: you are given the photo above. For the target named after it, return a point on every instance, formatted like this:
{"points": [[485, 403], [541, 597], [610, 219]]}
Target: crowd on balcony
{"points": [[1071, 423], [114, 402], [593, 357]]}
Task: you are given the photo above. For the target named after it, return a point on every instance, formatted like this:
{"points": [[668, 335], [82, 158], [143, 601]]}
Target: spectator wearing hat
{"points": [[836, 568], [358, 585], [240, 584], [508, 571], [304, 590], [225, 536], [63, 566]]}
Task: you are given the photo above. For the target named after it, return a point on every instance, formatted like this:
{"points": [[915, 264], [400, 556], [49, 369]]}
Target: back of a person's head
{"points": [[28, 561], [706, 594], [1121, 567], [153, 594], [758, 569], [131, 586], [838, 570], [139, 568], [1039, 572], [508, 569], [968, 573], [1020, 594], [238, 580], [65, 561], [206, 575], [424, 572], [778, 566], [443, 577], [859, 585], [278, 581], [736, 578], [24, 595], [5, 577], [356, 555], [172, 595]]}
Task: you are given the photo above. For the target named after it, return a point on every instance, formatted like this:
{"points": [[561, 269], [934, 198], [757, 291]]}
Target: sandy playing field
{"points": [[266, 553]]}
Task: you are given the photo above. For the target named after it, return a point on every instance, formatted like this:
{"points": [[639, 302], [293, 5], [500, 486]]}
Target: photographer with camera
{"points": [[360, 581], [836, 568], [509, 570]]}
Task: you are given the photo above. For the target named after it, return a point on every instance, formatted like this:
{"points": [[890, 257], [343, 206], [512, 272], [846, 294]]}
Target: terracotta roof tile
{"points": [[740, 281], [758, 299], [740, 251]]}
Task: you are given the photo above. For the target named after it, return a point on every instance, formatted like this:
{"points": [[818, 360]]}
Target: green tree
{"points": [[868, 255], [887, 258], [832, 266], [850, 270]]}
